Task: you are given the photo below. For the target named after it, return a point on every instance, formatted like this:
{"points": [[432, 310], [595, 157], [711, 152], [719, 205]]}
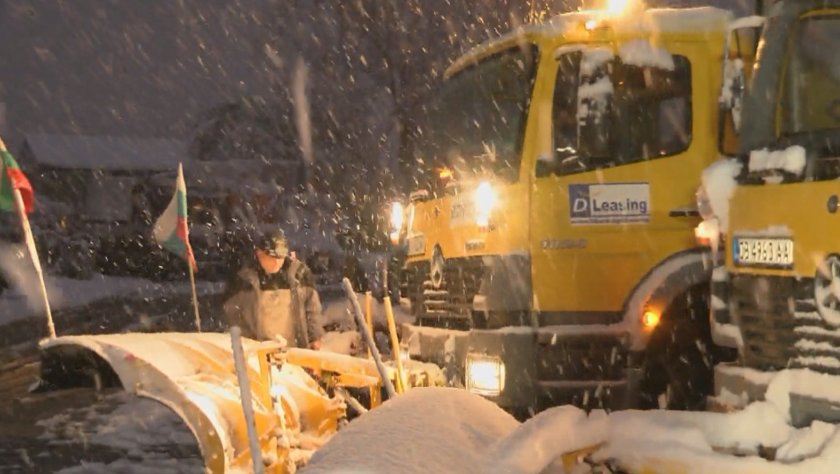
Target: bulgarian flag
{"points": [[171, 230], [11, 178]]}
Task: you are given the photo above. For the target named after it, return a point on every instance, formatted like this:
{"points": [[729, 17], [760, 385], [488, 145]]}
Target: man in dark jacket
{"points": [[261, 300]]}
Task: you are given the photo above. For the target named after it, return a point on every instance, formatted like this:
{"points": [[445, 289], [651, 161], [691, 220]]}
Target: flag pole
{"points": [[33, 253], [194, 297]]}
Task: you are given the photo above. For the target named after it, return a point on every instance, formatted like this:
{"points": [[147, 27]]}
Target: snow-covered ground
{"points": [[22, 302], [23, 298]]}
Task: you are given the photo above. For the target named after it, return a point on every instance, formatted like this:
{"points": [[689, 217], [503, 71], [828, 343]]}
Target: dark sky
{"points": [[92, 66], [143, 69], [740, 7]]}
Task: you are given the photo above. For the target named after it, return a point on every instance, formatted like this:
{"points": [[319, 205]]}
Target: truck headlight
{"points": [[397, 216], [485, 200], [707, 233], [485, 375]]}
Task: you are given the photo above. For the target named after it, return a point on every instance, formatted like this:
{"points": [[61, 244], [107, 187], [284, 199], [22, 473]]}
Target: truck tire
{"points": [[678, 363]]}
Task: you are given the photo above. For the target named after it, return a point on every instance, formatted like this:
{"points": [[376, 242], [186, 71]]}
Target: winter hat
{"points": [[275, 243]]}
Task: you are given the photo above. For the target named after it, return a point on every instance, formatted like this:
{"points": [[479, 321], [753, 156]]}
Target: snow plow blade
{"points": [[194, 376]]}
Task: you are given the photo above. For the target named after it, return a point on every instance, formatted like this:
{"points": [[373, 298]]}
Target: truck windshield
{"points": [[810, 100], [475, 123]]}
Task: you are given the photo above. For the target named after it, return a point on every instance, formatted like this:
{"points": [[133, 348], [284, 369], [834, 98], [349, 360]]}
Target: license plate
{"points": [[774, 252], [462, 213], [416, 245]]}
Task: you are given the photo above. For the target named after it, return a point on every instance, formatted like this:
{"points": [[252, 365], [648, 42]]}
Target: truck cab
{"points": [[551, 254], [778, 298]]}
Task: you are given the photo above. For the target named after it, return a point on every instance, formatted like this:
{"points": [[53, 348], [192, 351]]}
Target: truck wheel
{"points": [[679, 361]]}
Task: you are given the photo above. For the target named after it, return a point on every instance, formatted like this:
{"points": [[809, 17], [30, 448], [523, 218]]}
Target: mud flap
{"points": [[634, 383]]}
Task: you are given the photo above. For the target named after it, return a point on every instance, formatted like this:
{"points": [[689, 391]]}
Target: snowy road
{"points": [[80, 430], [86, 432]]}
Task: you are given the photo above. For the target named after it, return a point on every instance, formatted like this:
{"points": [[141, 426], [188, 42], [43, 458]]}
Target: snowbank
{"points": [[425, 430], [447, 430], [642, 53], [336, 314], [791, 159], [700, 442]]}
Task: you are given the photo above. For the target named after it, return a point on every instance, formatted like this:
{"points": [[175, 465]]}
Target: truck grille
{"points": [[582, 358], [764, 307], [781, 326], [449, 305], [817, 342]]}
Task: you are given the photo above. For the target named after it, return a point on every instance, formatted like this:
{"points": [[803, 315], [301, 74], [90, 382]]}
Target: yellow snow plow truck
{"points": [[778, 297], [551, 254]]}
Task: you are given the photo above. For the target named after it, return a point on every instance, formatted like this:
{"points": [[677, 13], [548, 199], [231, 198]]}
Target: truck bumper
{"points": [[524, 370], [546, 368]]}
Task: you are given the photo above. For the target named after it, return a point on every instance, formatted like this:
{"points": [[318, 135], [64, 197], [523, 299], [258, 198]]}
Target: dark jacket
{"points": [[262, 304]]}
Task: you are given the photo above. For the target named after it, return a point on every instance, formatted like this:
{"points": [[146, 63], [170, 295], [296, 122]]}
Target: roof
{"points": [[106, 152], [650, 21]]}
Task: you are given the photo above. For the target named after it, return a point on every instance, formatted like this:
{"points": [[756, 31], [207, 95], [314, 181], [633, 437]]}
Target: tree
{"points": [[249, 128], [370, 64]]}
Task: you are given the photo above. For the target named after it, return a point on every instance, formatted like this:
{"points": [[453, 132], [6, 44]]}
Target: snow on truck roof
{"points": [[650, 21], [105, 152]]}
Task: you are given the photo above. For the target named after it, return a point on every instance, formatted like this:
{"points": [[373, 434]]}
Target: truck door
{"points": [[612, 197]]}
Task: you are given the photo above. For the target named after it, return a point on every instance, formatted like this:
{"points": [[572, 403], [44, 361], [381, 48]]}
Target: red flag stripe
{"points": [[182, 230], [20, 182]]}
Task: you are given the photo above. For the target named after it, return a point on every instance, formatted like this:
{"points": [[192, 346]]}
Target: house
{"points": [[96, 177], [103, 193]]}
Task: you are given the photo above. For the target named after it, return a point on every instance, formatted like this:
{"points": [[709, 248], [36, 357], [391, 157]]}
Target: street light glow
{"points": [[617, 7]]}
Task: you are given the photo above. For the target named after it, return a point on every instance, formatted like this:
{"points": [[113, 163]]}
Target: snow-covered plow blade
{"points": [[194, 375], [450, 430], [757, 439]]}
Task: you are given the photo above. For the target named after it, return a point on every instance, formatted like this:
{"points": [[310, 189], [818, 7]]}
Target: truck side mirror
{"points": [[738, 58], [419, 195]]}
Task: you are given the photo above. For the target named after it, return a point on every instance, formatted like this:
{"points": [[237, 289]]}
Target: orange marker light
{"points": [[445, 173], [706, 233], [650, 319]]}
